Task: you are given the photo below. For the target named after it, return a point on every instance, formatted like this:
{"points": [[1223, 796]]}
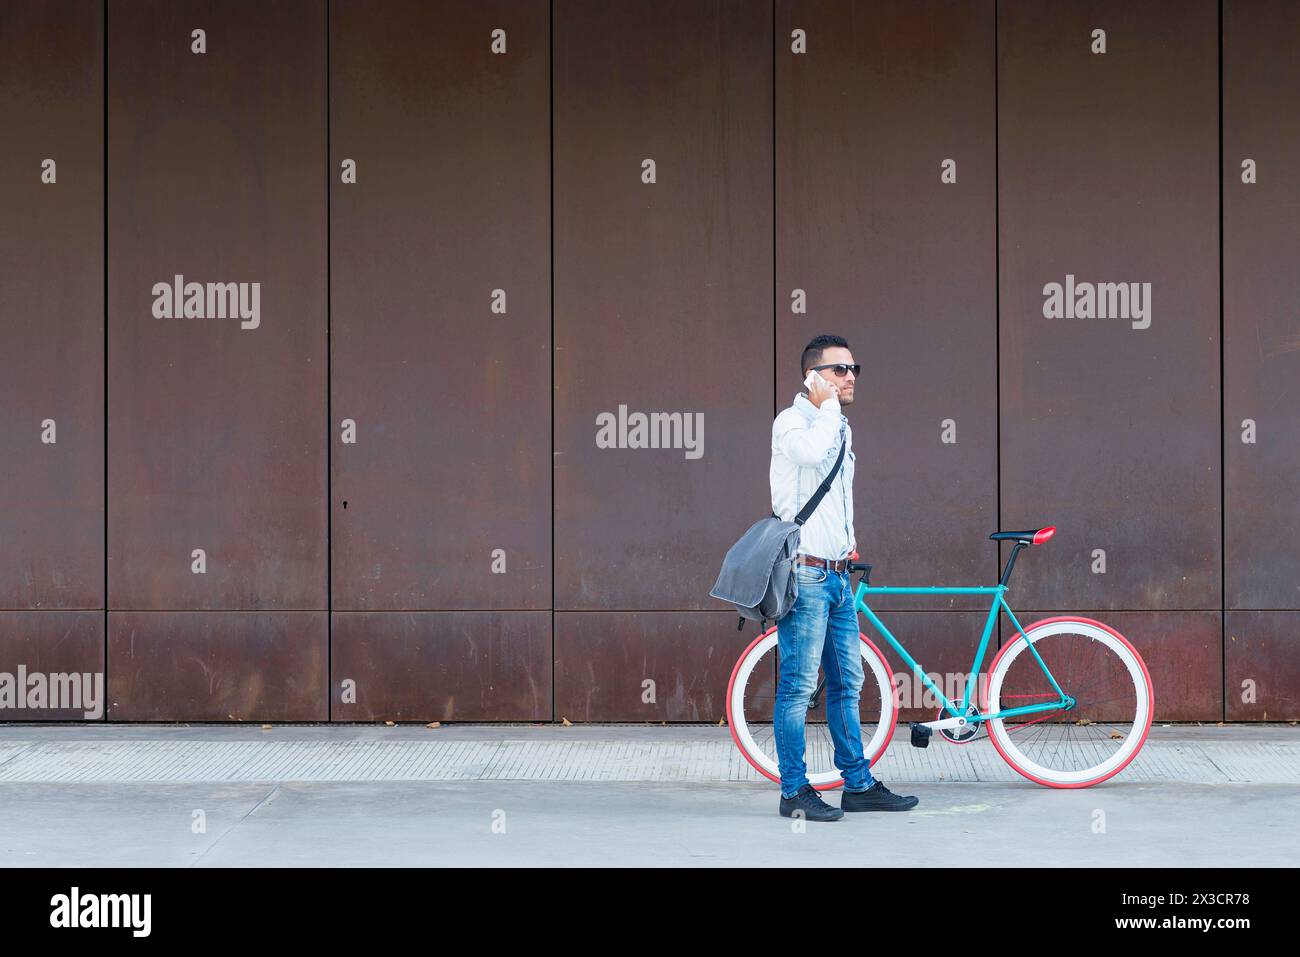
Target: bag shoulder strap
{"points": [[806, 512]]}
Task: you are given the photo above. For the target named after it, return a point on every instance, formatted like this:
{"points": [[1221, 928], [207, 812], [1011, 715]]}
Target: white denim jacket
{"points": [[805, 444]]}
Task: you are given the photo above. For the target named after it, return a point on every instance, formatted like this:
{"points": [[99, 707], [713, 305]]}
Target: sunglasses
{"points": [[841, 370]]}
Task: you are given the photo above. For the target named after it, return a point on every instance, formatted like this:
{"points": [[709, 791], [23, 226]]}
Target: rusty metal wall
{"points": [[416, 483], [217, 665], [1261, 667], [216, 435], [663, 304], [1107, 166], [1261, 358], [441, 666], [440, 322], [1261, 286], [663, 292], [1101, 418], [51, 342]]}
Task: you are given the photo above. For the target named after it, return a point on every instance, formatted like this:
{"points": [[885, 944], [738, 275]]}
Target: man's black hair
{"points": [[812, 353]]}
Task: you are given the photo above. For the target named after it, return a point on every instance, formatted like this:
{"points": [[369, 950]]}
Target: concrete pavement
{"points": [[625, 795]]}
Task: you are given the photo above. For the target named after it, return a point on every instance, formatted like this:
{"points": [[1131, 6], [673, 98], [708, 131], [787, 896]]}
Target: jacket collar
{"points": [[807, 409]]}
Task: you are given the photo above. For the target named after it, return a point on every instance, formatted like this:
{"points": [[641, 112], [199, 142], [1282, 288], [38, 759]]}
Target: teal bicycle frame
{"points": [[999, 602]]}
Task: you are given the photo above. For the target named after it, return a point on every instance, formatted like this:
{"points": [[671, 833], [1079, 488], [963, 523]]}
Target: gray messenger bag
{"points": [[757, 574]]}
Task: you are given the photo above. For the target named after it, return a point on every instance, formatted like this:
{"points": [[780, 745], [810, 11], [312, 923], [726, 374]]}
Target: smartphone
{"points": [[814, 374]]}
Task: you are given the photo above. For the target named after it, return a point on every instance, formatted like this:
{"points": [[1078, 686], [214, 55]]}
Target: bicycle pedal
{"points": [[920, 735]]}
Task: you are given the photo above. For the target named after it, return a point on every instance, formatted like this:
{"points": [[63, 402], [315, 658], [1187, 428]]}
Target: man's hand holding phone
{"points": [[819, 389]]}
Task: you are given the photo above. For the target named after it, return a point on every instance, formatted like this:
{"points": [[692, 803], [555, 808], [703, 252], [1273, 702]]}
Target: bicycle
{"points": [[1097, 685]]}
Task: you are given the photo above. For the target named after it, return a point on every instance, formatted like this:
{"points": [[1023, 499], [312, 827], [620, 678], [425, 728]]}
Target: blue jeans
{"points": [[821, 628]]}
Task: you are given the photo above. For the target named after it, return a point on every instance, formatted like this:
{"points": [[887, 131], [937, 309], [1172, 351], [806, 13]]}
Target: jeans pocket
{"points": [[809, 574]]}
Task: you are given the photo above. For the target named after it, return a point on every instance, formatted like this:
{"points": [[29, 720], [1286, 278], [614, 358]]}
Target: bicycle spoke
{"points": [[1092, 672]]}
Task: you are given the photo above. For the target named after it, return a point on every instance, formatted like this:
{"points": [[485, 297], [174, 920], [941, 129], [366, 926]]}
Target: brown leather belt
{"points": [[835, 566]]}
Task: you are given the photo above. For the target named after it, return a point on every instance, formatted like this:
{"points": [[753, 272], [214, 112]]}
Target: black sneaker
{"points": [[809, 805], [877, 798]]}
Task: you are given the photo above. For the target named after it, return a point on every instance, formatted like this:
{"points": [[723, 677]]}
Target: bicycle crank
{"points": [[961, 734], [921, 730]]}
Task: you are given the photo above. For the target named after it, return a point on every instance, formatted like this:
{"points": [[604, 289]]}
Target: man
{"points": [[822, 627]]}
